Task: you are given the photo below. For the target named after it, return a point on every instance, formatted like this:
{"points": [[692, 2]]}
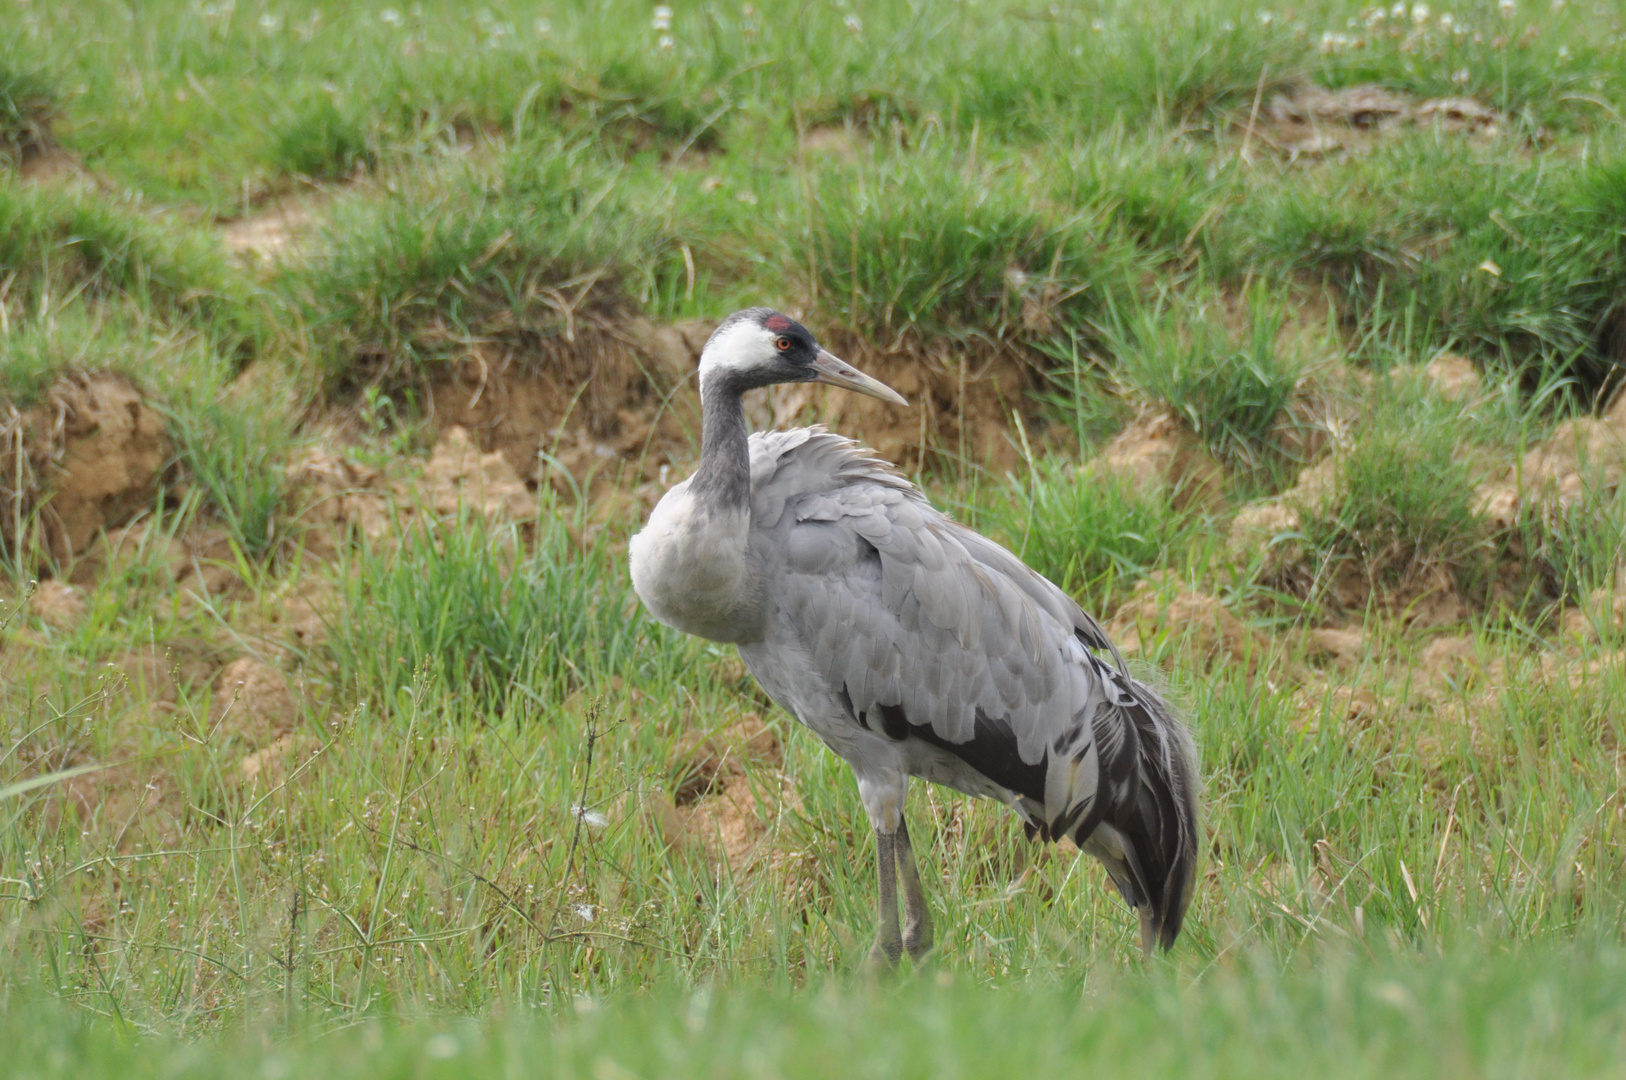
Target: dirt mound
{"points": [[160, 673], [1452, 377], [1268, 529], [88, 458], [606, 395], [459, 476], [1583, 457], [711, 762], [728, 795], [1345, 648], [1310, 121], [128, 806], [275, 230], [1193, 624], [338, 498], [58, 605], [1603, 615], [277, 763], [1155, 451], [253, 704]]}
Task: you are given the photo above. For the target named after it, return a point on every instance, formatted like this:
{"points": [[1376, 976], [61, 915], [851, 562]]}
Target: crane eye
{"points": [[782, 344]]}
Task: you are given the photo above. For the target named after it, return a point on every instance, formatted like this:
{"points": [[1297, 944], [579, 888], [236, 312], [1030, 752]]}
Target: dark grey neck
{"points": [[723, 479]]}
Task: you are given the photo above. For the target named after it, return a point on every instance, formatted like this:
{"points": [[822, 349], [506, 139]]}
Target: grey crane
{"points": [[911, 645]]}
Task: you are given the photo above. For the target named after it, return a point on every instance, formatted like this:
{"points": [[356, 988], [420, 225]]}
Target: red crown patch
{"points": [[776, 323]]}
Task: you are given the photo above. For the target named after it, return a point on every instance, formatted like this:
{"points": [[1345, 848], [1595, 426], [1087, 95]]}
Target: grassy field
{"points": [[342, 348]]}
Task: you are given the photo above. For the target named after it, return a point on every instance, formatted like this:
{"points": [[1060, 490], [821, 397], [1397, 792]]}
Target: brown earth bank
{"points": [[88, 458]]}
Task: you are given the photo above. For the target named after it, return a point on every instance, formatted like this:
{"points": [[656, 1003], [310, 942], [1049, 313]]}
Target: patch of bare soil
{"points": [[88, 458], [58, 605], [277, 763], [1344, 648], [1157, 451], [729, 794], [1601, 616], [128, 806], [253, 704], [606, 398], [844, 142], [459, 476], [291, 620], [1452, 377], [1268, 530], [342, 499], [1193, 624], [160, 673], [1312, 122], [1583, 457], [276, 229], [337, 498]]}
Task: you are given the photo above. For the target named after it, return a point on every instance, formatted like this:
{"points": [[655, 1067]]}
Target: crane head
{"points": [[760, 347]]}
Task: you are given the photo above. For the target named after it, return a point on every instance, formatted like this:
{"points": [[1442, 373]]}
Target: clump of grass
{"points": [[57, 243], [1229, 385], [545, 240], [921, 248], [321, 142], [1423, 247], [28, 103], [235, 455], [1088, 531], [467, 606], [1402, 506]]}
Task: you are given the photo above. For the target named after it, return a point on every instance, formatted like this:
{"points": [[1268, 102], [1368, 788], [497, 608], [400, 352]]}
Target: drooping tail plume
{"points": [[1147, 835]]}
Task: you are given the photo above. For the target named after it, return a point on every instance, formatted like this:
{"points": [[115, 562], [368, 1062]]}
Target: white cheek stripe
{"points": [[736, 349]]}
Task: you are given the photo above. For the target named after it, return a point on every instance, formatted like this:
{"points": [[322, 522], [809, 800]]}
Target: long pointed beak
{"points": [[834, 372]]}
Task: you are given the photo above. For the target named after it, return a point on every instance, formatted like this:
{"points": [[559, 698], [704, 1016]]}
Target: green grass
{"points": [[479, 610], [1089, 531], [545, 237], [1402, 503], [1534, 1012], [1230, 385], [27, 104], [477, 845]]}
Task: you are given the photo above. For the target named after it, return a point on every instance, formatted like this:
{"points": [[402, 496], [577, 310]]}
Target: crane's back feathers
{"points": [[879, 609]]}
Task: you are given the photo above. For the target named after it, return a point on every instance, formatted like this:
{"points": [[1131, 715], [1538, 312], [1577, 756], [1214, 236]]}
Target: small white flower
{"points": [[1419, 14], [1507, 8], [1446, 21], [542, 27], [1398, 11], [1227, 27], [1460, 77], [270, 23], [390, 17], [1078, 50], [1266, 18], [666, 42], [1563, 53], [1097, 25], [584, 912], [663, 18], [854, 25]]}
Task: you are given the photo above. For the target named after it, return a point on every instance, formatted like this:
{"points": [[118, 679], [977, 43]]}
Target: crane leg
{"points": [[888, 941], [917, 916]]}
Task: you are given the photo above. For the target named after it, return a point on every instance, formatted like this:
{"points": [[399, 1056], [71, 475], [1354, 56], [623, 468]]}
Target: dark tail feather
{"points": [[1147, 835]]}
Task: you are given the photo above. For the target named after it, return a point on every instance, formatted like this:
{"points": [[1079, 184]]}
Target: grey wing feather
{"points": [[910, 615]]}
